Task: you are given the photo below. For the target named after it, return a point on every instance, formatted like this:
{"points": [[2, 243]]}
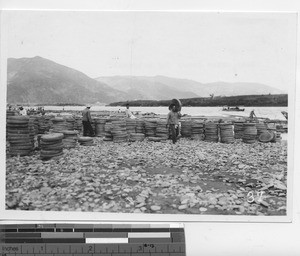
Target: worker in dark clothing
{"points": [[173, 122], [252, 115], [86, 122]]}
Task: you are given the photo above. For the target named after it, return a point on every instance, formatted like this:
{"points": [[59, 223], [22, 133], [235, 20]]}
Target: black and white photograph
{"points": [[149, 113]]}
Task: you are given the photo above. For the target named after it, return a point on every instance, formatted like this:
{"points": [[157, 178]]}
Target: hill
{"points": [[146, 88], [162, 87], [39, 80]]}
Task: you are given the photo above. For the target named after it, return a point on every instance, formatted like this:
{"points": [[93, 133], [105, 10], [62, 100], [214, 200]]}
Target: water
{"points": [[264, 112]]}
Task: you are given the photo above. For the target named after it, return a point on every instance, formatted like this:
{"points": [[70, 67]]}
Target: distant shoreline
{"points": [[267, 100]]}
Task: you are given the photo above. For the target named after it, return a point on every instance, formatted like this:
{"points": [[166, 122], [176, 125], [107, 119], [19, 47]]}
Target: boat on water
{"points": [[285, 114], [226, 108]]}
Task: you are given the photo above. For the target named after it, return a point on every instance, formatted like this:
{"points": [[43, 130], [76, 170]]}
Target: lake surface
{"points": [[265, 112]]}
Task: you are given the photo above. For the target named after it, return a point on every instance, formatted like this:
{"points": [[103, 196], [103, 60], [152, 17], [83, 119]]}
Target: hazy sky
{"points": [[206, 47]]}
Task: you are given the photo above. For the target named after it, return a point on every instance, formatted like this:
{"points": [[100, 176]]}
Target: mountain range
{"points": [[162, 87], [39, 80]]}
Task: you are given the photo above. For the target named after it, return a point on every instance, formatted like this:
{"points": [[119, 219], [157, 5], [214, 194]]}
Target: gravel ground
{"points": [[190, 177]]}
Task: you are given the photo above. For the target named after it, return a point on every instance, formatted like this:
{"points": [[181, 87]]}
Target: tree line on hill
{"points": [[268, 100]]}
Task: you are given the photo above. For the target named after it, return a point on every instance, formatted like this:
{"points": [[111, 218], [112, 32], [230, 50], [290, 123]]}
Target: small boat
{"points": [[226, 108], [285, 114]]}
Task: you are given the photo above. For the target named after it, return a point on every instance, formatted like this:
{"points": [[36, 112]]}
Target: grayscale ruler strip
{"points": [[92, 240]]}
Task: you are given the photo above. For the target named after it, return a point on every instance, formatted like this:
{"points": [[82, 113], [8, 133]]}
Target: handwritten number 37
{"points": [[251, 197]]}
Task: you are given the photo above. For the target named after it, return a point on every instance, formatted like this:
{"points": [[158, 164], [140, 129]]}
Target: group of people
{"points": [[24, 112], [18, 110], [87, 120], [172, 122]]}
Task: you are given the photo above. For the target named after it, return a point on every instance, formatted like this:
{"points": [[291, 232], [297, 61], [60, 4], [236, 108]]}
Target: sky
{"points": [[202, 46]]}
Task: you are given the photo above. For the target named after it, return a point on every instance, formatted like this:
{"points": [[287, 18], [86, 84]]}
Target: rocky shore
{"points": [[190, 177]]}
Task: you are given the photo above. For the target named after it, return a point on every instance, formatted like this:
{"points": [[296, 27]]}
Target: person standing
{"points": [[86, 122], [173, 122], [252, 115], [23, 111]]}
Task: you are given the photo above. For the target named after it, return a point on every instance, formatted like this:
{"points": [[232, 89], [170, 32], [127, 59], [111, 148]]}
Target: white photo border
{"points": [[96, 216]]}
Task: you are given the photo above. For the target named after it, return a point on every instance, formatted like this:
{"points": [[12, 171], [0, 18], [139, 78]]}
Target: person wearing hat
{"points": [[86, 122], [23, 111], [173, 122]]}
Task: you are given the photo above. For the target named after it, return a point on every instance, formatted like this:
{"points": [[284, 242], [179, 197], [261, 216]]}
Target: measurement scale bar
{"points": [[149, 235], [105, 239]]}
